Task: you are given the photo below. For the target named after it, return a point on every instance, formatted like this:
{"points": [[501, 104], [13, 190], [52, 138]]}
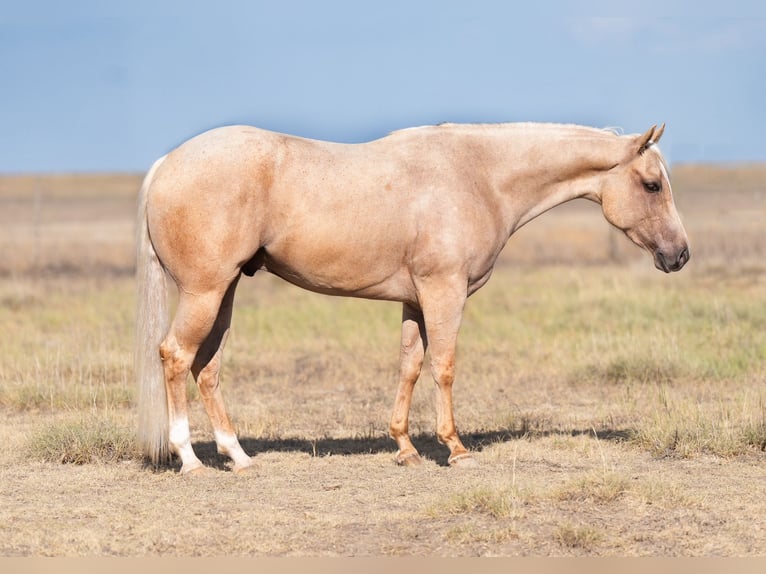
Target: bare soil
{"points": [[352, 500]]}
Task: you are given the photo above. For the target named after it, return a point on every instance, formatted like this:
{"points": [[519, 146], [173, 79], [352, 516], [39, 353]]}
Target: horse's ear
{"points": [[658, 133], [645, 140]]}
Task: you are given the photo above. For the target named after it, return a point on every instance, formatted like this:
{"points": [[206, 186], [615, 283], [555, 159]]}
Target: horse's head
{"points": [[636, 198]]}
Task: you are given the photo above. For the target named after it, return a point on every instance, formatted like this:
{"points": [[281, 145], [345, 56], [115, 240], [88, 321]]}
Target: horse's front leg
{"points": [[443, 304], [413, 348]]}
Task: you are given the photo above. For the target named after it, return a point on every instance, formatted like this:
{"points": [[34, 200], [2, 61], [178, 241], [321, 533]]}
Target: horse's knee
{"points": [[443, 372]]}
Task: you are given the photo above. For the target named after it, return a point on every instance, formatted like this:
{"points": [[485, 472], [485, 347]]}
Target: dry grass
{"points": [[584, 538], [84, 440], [614, 410]]}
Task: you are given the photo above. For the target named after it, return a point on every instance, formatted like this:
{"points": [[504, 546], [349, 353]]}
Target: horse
{"points": [[417, 217]]}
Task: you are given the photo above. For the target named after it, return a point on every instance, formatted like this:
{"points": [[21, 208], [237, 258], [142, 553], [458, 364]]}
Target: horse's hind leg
{"points": [[206, 369], [413, 348], [195, 318]]}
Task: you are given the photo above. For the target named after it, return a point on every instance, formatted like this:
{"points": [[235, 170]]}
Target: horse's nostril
{"points": [[683, 257], [661, 262]]}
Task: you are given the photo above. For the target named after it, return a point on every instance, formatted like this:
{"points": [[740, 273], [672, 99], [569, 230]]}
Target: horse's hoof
{"points": [[195, 470], [465, 460], [412, 459], [247, 468]]}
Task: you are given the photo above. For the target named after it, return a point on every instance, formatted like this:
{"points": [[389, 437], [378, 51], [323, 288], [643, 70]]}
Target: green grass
{"points": [[620, 325]]}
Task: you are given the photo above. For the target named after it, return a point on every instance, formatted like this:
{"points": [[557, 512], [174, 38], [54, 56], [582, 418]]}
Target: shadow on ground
{"points": [[426, 444]]}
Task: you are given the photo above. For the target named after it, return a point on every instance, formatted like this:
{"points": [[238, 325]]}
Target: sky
{"points": [[111, 86]]}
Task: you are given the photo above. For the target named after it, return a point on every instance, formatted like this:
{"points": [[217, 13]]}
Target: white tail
{"points": [[151, 327]]}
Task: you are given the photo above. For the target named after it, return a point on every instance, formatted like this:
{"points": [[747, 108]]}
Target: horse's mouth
{"points": [[673, 263]]}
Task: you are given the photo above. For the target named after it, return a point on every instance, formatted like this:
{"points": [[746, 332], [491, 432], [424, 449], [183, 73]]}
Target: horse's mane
{"points": [[617, 131]]}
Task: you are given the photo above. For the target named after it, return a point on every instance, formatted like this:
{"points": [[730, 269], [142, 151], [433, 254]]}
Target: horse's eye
{"points": [[652, 186]]}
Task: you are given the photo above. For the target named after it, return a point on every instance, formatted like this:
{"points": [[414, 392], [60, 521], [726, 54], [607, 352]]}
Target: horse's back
{"points": [[354, 219], [311, 211]]}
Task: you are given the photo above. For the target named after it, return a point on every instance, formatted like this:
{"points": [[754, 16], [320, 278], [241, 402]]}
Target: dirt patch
{"points": [[336, 504]]}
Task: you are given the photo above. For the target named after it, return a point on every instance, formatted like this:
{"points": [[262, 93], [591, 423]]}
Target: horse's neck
{"points": [[536, 167]]}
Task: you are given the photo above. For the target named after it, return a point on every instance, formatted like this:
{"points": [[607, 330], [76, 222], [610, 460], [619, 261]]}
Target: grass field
{"points": [[615, 410]]}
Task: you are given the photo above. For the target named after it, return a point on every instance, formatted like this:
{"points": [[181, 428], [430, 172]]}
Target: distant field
{"points": [[614, 410]]}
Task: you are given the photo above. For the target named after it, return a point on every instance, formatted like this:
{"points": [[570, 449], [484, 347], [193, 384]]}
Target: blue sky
{"points": [[100, 86]]}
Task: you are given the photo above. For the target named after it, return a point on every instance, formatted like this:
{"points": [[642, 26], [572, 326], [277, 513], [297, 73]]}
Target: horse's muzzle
{"points": [[668, 263]]}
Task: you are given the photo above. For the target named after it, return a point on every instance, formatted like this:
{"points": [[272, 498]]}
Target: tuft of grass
{"points": [[663, 494], [601, 488], [754, 434], [624, 369], [83, 441], [581, 537], [499, 502], [684, 429], [470, 533]]}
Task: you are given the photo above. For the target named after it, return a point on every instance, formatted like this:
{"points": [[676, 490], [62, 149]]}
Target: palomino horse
{"points": [[418, 217]]}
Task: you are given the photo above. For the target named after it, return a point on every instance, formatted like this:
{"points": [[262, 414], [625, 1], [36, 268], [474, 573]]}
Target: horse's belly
{"points": [[338, 270]]}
